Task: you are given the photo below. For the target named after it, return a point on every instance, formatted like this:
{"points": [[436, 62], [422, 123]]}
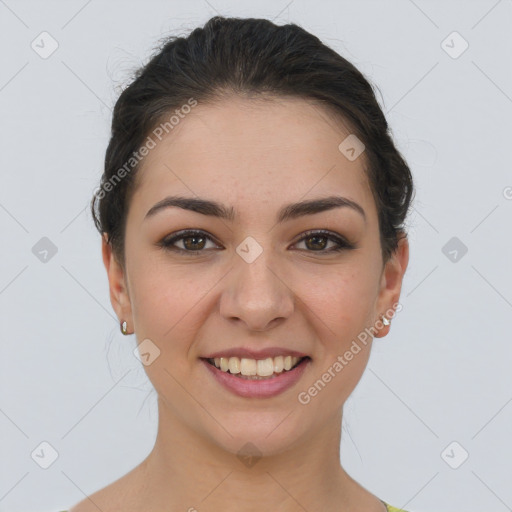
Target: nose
{"points": [[256, 294]]}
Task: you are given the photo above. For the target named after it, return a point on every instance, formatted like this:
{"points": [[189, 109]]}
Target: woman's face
{"points": [[256, 280]]}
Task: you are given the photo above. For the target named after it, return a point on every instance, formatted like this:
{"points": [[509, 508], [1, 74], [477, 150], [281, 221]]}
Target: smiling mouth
{"points": [[252, 369]]}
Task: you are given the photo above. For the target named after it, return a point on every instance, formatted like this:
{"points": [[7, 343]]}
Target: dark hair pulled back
{"points": [[249, 56]]}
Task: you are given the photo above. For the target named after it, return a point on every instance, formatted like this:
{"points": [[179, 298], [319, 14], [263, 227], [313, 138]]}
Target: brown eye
{"points": [[317, 241], [193, 242]]}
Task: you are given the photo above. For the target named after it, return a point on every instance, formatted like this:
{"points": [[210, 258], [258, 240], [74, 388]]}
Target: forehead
{"points": [[268, 150]]}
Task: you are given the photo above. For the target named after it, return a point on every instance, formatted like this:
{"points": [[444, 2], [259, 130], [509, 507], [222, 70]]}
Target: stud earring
{"points": [[124, 328], [385, 321]]}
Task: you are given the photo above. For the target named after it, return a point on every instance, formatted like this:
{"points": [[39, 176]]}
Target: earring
{"points": [[124, 328], [385, 321]]}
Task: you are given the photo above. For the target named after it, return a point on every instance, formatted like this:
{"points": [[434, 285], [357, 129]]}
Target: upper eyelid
{"points": [[169, 240], [188, 233]]}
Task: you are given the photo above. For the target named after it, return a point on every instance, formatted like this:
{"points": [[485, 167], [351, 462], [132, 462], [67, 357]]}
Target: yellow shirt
{"points": [[393, 509]]}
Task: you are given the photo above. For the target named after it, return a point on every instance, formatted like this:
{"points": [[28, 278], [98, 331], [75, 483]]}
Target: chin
{"points": [[257, 439]]}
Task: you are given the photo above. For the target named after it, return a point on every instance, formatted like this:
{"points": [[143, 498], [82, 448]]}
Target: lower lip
{"points": [[263, 388]]}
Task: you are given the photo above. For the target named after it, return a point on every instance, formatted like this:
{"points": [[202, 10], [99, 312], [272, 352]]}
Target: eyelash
{"points": [[167, 243]]}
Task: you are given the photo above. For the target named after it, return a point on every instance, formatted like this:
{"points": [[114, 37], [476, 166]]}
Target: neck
{"points": [[189, 471]]}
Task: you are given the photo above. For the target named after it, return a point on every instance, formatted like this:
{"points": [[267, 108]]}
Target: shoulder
{"points": [[122, 495], [110, 499], [91, 503]]}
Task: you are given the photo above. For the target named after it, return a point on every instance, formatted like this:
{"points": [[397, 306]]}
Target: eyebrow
{"points": [[288, 212]]}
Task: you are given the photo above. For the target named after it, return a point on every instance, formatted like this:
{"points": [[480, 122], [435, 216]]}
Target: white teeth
{"points": [[265, 367], [233, 364], [224, 364], [252, 367], [248, 366]]}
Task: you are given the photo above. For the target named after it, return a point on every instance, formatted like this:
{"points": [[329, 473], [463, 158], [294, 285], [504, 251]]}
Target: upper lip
{"points": [[255, 354]]}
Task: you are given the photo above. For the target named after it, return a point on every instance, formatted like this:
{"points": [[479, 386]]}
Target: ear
{"points": [[391, 283], [119, 296]]}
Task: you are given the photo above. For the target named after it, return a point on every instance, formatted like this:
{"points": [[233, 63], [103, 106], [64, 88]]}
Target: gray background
{"points": [[442, 375]]}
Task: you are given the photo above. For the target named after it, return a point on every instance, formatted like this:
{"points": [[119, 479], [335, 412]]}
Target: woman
{"points": [[252, 211]]}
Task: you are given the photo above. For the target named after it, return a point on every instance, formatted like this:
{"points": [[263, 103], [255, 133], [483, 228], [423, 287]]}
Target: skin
{"points": [[255, 155]]}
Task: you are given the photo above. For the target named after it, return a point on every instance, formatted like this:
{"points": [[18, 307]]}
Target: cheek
{"points": [[167, 311], [342, 310], [342, 299], [166, 301]]}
